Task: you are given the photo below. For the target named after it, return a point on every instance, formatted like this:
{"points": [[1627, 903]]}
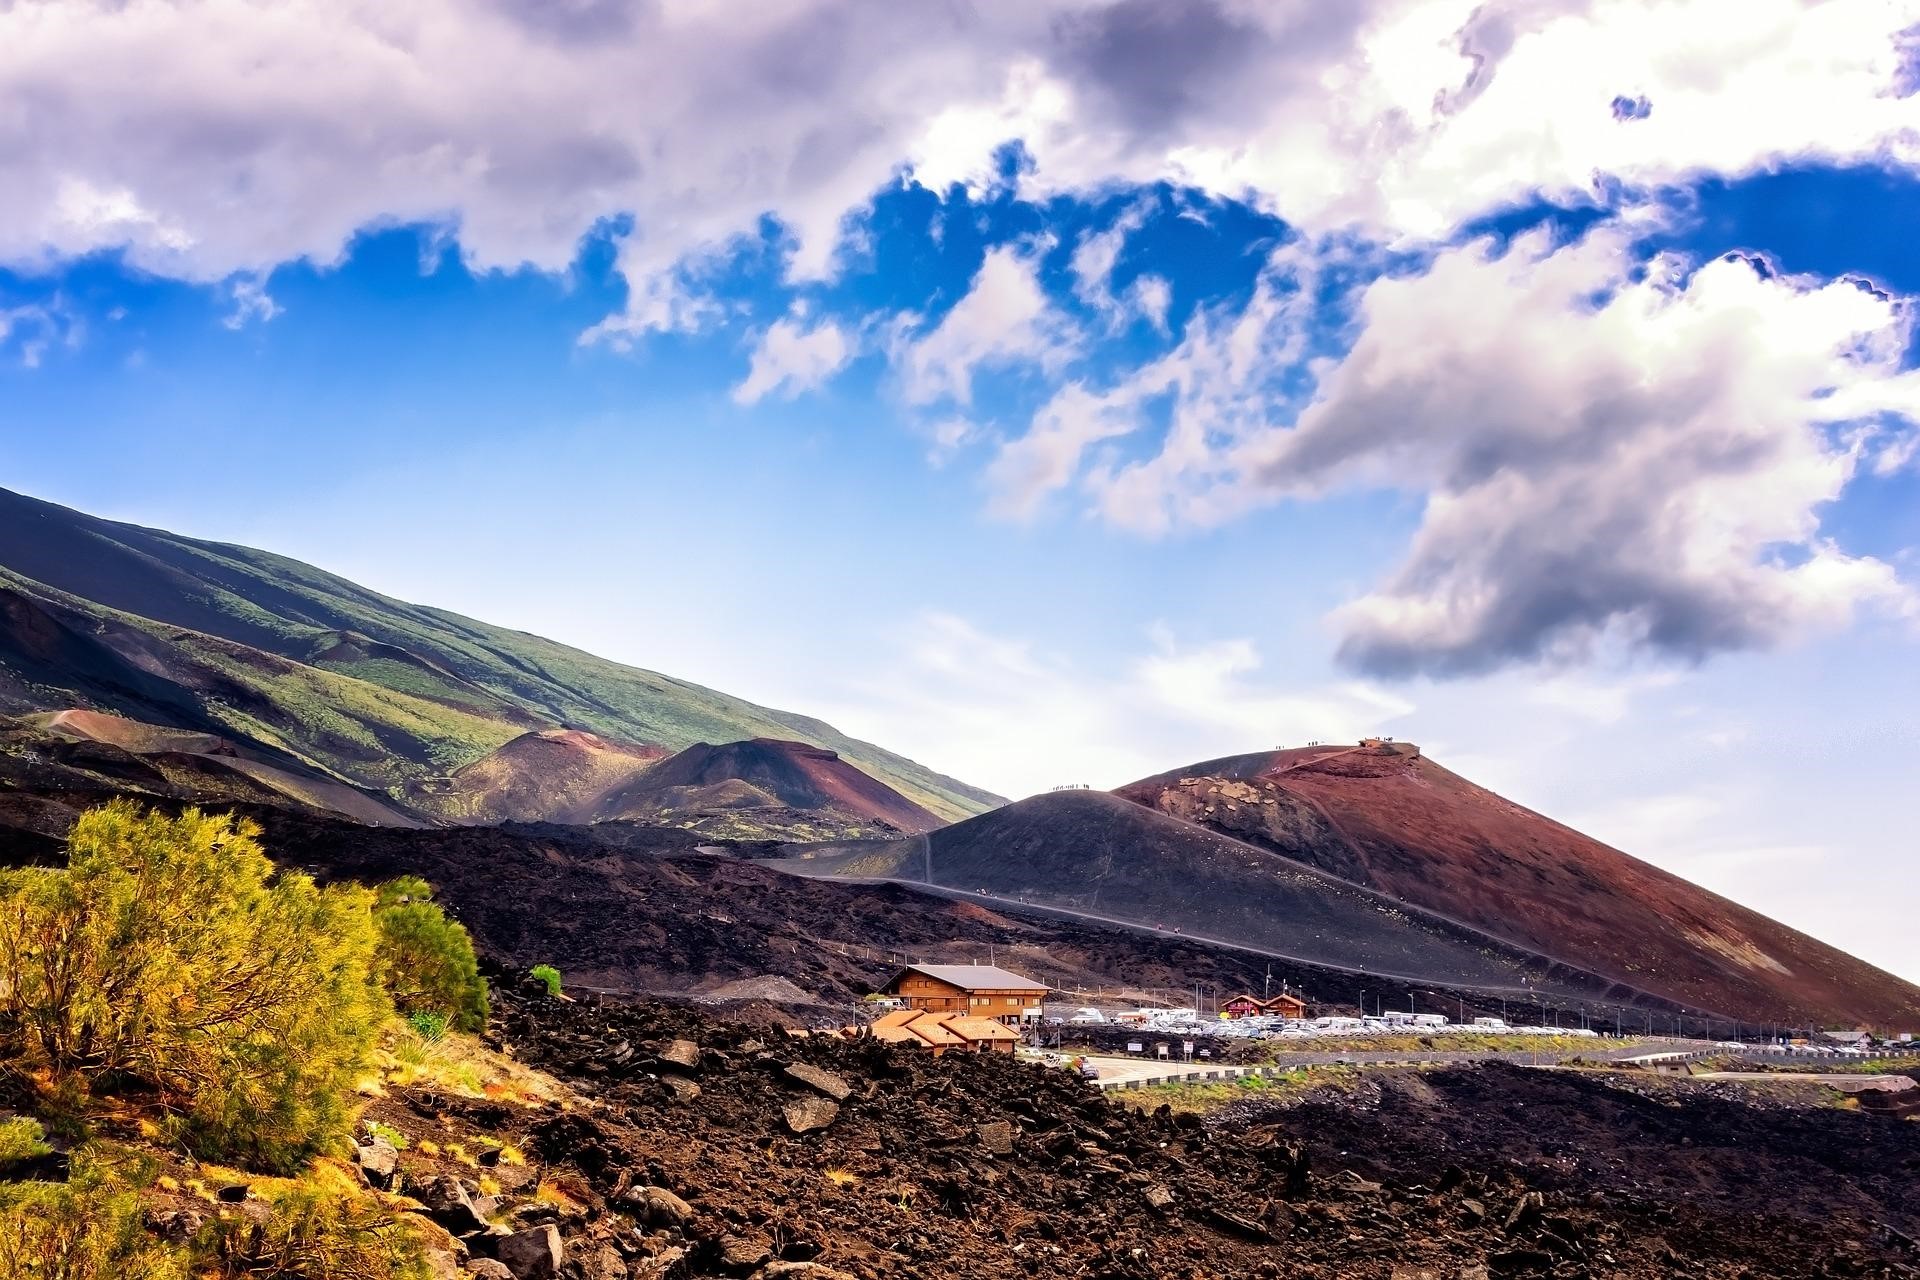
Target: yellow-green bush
{"points": [[429, 965], [168, 957], [21, 1138], [315, 1231], [89, 1229]]}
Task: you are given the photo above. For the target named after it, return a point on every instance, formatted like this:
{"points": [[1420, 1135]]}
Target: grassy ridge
{"points": [[365, 675]]}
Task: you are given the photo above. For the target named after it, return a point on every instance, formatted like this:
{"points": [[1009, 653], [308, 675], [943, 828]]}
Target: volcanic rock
{"points": [[377, 1159], [804, 1115], [658, 1207], [826, 1082], [684, 1054], [533, 1254]]}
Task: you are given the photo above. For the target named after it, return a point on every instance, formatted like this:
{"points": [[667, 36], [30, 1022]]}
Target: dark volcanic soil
{"points": [[1094, 852], [967, 1166]]}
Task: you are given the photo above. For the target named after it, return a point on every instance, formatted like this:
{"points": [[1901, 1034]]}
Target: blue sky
{"points": [[1078, 413]]}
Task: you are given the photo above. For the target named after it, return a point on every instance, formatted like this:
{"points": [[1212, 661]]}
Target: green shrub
{"points": [[21, 1138], [428, 961], [167, 955], [428, 1026], [87, 1229], [549, 975], [315, 1231]]}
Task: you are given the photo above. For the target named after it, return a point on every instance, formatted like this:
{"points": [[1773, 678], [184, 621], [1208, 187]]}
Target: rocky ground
{"points": [[695, 1148]]}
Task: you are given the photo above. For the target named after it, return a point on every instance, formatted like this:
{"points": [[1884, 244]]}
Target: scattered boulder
{"points": [[804, 1115], [175, 1225], [996, 1136], [744, 1253], [1159, 1197], [378, 1160], [684, 1054], [683, 1090], [799, 1271], [601, 1262], [450, 1205], [658, 1207], [668, 1264], [826, 1082], [533, 1254], [489, 1269]]}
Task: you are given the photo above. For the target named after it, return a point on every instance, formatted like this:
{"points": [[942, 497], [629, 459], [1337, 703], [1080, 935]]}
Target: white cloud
{"points": [[227, 136], [1608, 461], [791, 359], [1092, 264], [251, 302], [1004, 319], [948, 437], [968, 700], [32, 329], [1646, 469], [1220, 384]]}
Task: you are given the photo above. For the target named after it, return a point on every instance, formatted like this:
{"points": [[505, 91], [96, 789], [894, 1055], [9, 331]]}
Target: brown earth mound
{"points": [[697, 1149], [765, 773], [1386, 817], [549, 775]]}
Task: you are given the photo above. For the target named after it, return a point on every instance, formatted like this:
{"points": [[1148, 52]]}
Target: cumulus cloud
{"points": [[951, 689], [1605, 459], [1004, 318], [212, 138], [1611, 459], [791, 358]]}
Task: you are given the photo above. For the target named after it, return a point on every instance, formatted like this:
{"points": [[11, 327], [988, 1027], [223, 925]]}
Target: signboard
{"points": [[1134, 1046]]}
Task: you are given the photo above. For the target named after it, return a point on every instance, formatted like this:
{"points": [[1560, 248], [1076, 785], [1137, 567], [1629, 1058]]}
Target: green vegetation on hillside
{"points": [[372, 688]]}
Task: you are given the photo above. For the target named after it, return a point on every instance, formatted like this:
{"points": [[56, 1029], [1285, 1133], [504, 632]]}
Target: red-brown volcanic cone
{"points": [[1386, 817], [795, 774]]}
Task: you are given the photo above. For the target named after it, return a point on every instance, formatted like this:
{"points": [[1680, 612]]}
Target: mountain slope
{"points": [[1094, 853], [763, 774], [547, 775], [206, 636], [1384, 816]]}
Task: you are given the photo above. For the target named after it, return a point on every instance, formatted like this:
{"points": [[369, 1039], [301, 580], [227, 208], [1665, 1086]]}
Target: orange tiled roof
{"points": [[979, 1028]]}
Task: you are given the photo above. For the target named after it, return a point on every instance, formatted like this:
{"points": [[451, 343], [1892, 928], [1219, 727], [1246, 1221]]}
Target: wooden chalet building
{"points": [[1284, 1005], [976, 990]]}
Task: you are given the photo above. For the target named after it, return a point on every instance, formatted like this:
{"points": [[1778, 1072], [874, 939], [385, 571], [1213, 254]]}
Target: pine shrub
{"points": [[169, 957], [427, 960]]}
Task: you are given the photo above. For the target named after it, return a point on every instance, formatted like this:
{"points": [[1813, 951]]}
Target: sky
{"points": [[1056, 392]]}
